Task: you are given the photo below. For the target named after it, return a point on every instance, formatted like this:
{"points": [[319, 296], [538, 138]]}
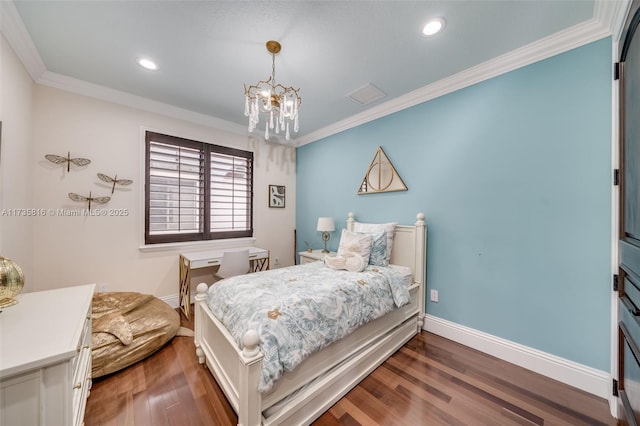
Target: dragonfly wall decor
{"points": [[114, 180], [89, 199], [58, 159]]}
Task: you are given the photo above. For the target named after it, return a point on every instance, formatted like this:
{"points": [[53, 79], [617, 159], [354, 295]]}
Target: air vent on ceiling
{"points": [[366, 94]]}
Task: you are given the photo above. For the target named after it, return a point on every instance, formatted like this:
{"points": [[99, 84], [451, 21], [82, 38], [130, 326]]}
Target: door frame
{"points": [[616, 157]]}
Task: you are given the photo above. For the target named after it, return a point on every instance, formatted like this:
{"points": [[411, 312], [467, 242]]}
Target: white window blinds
{"points": [[230, 193], [196, 191], [175, 189]]}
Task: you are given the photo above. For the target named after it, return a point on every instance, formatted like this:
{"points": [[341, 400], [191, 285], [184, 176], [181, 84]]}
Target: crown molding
{"points": [[20, 40], [97, 91], [608, 20], [557, 43], [16, 33], [612, 14]]}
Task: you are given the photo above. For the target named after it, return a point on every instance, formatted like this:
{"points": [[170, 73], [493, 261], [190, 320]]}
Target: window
{"points": [[196, 191]]}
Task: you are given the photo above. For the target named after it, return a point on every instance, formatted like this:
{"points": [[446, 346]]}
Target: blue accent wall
{"points": [[514, 177]]}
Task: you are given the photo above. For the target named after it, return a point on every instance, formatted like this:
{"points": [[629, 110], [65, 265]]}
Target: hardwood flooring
{"points": [[429, 381]]}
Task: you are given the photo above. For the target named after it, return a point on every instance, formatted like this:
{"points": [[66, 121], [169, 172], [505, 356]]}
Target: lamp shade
{"points": [[325, 224]]}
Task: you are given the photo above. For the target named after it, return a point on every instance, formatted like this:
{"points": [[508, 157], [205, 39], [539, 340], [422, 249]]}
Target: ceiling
{"points": [[207, 50]]}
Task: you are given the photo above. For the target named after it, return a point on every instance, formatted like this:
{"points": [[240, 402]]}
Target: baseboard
{"points": [[173, 300], [588, 379]]}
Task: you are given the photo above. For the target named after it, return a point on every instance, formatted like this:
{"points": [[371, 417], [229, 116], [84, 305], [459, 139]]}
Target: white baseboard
{"points": [[588, 379], [172, 300]]}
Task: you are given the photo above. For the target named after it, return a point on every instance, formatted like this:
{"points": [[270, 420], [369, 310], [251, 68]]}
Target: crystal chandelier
{"points": [[279, 104]]}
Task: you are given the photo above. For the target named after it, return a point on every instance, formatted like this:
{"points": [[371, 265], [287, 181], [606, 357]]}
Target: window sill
{"points": [[198, 245]]}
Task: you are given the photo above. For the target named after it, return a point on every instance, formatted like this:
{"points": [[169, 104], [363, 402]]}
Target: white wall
{"points": [[16, 92], [106, 250]]}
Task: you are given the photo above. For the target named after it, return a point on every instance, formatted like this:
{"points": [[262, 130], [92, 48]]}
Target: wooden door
{"points": [[629, 235]]}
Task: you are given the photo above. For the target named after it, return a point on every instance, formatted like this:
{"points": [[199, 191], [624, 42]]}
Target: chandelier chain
{"points": [[273, 69]]}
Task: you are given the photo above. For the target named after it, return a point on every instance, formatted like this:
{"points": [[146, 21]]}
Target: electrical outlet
{"points": [[276, 261], [434, 295]]}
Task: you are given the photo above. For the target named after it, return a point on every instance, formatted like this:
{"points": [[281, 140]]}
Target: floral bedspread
{"points": [[299, 310]]}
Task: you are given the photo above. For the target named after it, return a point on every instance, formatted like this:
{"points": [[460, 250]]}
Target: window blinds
{"points": [[175, 189], [196, 191]]}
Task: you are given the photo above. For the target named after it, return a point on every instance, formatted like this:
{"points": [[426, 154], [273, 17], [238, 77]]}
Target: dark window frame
{"points": [[206, 151]]}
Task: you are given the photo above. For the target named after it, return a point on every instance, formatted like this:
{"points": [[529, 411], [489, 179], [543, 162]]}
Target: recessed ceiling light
{"points": [[147, 63], [433, 26]]}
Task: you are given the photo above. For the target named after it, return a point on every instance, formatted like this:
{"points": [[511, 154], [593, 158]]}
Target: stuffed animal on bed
{"points": [[352, 262], [349, 256]]}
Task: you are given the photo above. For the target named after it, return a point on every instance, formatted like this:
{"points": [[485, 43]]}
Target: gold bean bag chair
{"points": [[127, 327]]}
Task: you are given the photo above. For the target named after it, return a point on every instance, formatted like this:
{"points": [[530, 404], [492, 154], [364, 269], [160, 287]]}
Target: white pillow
{"points": [[353, 243], [374, 228]]}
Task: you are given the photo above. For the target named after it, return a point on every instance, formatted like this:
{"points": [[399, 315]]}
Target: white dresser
{"points": [[45, 358]]}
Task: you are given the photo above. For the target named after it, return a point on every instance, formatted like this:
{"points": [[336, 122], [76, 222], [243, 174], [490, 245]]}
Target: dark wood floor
{"points": [[430, 381]]}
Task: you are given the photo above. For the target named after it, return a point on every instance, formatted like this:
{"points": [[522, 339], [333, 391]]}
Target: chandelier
{"points": [[277, 103]]}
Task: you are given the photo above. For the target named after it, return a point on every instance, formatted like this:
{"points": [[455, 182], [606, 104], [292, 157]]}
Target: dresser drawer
{"points": [[631, 381], [631, 291], [629, 307], [83, 344], [82, 372], [81, 385], [629, 369]]}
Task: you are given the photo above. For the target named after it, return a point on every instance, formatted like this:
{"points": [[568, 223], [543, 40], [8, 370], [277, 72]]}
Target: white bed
{"points": [[302, 395]]}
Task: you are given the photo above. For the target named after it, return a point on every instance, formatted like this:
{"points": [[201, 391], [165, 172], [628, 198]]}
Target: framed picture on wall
{"points": [[276, 196]]}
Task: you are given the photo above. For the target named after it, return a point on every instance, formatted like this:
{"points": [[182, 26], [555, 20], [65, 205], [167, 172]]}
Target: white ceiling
{"points": [[207, 50]]}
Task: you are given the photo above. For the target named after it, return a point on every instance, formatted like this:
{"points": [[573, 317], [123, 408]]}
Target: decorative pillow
{"points": [[373, 228], [352, 262], [354, 243], [378, 254]]}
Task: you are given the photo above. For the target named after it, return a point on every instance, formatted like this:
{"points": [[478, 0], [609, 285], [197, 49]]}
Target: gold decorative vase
{"points": [[11, 282]]}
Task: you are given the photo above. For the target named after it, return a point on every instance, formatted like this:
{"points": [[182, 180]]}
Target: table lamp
{"points": [[326, 225]]}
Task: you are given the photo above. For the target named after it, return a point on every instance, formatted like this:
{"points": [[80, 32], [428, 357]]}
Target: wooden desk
{"points": [[258, 258]]}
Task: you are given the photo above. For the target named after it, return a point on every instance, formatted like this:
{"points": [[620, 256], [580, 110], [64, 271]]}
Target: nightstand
{"points": [[313, 256]]}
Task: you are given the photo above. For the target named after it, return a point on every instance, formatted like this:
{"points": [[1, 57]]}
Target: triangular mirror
{"points": [[381, 176]]}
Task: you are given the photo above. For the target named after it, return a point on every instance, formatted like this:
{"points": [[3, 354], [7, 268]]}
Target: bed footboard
{"points": [[236, 370]]}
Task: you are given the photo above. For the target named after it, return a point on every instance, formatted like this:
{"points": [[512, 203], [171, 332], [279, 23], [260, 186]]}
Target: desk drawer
{"points": [[203, 263]]}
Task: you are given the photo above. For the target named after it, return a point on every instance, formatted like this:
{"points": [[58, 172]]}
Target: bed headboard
{"points": [[409, 246]]}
